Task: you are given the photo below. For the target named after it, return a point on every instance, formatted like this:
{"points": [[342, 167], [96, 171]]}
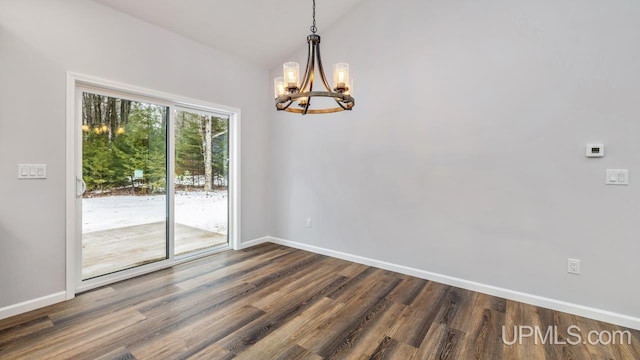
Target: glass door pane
{"points": [[201, 181], [124, 167]]}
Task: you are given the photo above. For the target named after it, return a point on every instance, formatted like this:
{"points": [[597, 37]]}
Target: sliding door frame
{"points": [[78, 83]]}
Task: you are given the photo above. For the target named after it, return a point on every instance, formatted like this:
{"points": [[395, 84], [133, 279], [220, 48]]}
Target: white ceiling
{"points": [[261, 31]]}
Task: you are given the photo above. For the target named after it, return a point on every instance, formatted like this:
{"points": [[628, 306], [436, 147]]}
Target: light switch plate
{"points": [[32, 171], [617, 177]]}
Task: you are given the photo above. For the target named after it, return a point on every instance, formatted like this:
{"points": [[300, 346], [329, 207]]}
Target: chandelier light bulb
{"points": [[340, 76], [278, 86], [292, 75]]}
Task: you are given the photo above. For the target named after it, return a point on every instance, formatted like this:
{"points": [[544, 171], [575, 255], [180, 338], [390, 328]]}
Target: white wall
{"points": [[464, 154], [40, 40]]}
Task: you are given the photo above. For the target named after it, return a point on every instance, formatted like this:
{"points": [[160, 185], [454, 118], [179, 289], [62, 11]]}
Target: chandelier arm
{"points": [[346, 103], [322, 75], [351, 103], [313, 67], [284, 103], [340, 104], [309, 69], [306, 106]]}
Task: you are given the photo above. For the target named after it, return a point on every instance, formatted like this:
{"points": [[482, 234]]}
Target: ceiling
{"points": [[264, 32]]}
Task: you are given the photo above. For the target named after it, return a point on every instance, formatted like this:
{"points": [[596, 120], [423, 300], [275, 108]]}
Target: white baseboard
{"points": [[254, 242], [575, 309], [33, 304]]}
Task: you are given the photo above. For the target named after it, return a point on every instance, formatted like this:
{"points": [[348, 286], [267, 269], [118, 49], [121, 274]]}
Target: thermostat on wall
{"points": [[595, 150]]}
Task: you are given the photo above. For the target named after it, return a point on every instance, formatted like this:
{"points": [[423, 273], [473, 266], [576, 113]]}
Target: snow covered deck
{"points": [[121, 232], [107, 251]]}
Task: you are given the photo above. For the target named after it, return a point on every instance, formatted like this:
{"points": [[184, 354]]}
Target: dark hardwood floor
{"points": [[274, 302]]}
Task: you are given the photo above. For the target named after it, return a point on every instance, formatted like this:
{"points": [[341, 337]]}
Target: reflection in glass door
{"points": [[124, 169], [201, 181]]}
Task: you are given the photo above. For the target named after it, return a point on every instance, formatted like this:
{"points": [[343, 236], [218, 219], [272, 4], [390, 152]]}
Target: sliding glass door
{"points": [[201, 181], [155, 183], [124, 170]]}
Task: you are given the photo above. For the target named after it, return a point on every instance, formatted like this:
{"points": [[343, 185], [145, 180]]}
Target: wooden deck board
{"points": [[112, 250]]}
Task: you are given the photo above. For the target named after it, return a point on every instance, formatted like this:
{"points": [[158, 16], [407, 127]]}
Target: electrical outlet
{"points": [[308, 223], [573, 266]]}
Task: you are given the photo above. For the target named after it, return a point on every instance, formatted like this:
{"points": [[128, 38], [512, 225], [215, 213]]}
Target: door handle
{"points": [[81, 187]]}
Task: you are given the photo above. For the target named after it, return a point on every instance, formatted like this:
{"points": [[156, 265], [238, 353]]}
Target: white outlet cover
{"points": [[573, 266]]}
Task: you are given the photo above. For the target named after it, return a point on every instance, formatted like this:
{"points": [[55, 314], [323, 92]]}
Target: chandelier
{"points": [[289, 90]]}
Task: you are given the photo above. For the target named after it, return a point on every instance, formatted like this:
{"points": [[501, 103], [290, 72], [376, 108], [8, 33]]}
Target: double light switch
{"points": [[617, 177]]}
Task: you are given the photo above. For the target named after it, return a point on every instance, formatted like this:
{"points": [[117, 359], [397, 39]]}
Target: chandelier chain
{"points": [[313, 27]]}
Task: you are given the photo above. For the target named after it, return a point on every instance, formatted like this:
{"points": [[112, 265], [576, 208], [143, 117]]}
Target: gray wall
{"points": [[39, 42], [464, 155]]}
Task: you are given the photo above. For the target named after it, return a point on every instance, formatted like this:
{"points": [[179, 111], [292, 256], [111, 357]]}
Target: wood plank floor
{"points": [[274, 302], [112, 250]]}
